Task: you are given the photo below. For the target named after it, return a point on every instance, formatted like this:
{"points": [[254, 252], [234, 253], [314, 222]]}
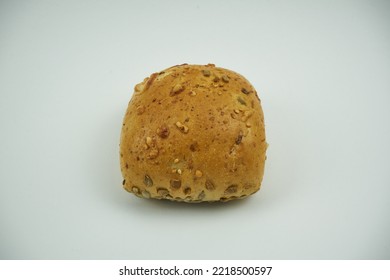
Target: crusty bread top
{"points": [[193, 133]]}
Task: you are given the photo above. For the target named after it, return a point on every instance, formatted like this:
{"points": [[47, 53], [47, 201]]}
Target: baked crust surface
{"points": [[193, 133]]}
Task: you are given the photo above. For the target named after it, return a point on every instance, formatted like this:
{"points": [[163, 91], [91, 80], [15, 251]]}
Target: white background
{"points": [[67, 70]]}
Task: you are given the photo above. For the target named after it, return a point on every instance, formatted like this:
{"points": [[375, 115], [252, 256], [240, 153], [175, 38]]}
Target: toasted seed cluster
{"points": [[193, 133]]}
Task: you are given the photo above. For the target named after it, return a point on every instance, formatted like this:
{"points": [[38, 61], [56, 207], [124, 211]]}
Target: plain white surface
{"points": [[67, 69]]}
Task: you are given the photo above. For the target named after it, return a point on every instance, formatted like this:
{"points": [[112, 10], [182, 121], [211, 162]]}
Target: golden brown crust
{"points": [[193, 133]]}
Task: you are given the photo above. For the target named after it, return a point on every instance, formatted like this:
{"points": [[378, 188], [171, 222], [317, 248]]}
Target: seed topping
{"points": [[162, 192], [231, 189], [202, 195], [209, 185], [145, 194], [140, 110], [242, 101], [182, 127], [239, 138], [175, 184], [163, 131], [149, 141], [246, 116], [178, 88], [187, 191], [139, 87], [153, 154], [206, 73], [245, 91], [148, 181]]}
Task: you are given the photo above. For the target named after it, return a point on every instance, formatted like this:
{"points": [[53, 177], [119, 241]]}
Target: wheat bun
{"points": [[193, 133]]}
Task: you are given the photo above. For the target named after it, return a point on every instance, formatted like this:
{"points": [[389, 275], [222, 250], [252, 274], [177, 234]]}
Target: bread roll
{"points": [[193, 133]]}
